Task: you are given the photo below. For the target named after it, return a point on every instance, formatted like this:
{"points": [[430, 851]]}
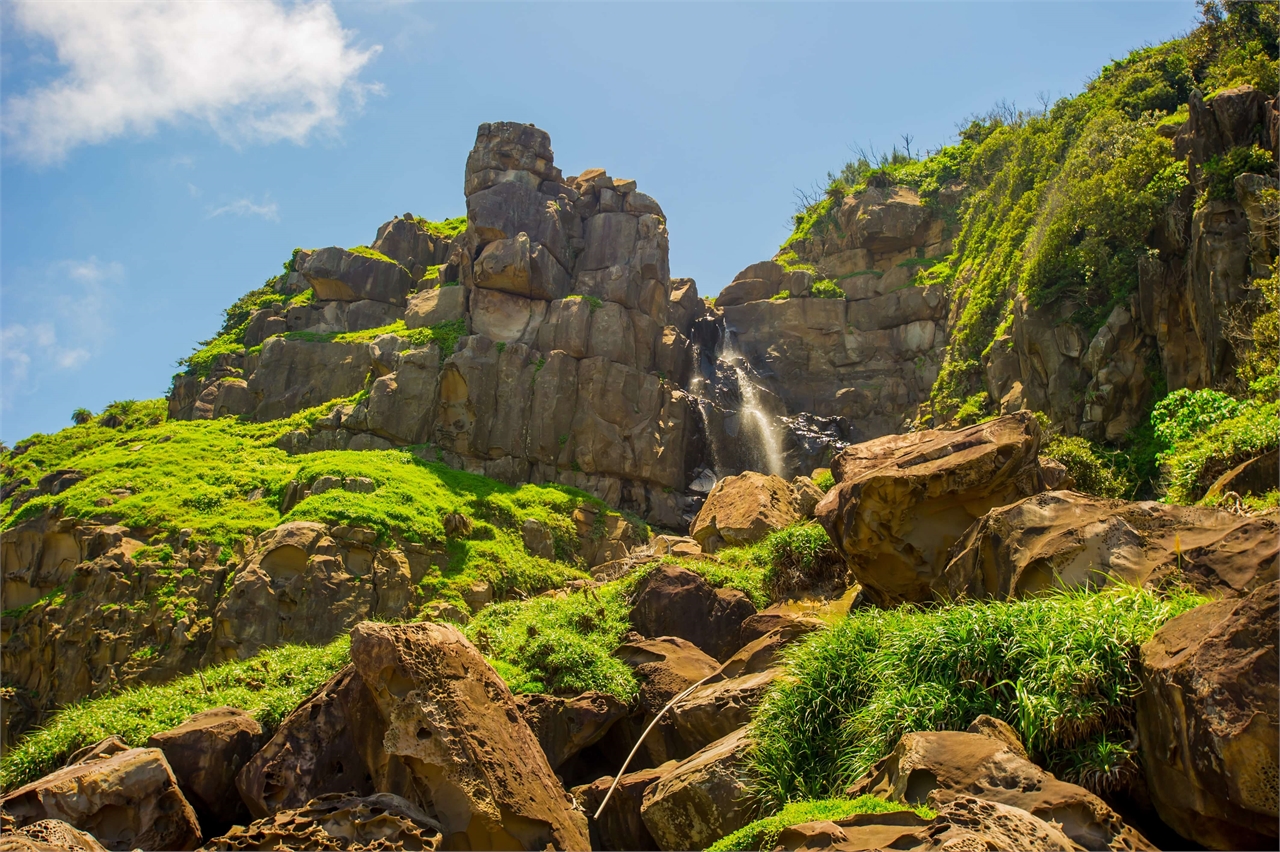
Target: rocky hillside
{"points": [[494, 535]]}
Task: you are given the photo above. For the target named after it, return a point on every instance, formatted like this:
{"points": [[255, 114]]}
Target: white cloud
{"points": [[254, 72], [245, 207]]}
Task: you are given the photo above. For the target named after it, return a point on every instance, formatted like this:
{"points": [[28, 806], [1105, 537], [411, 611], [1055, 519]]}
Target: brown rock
{"points": [[434, 306], [990, 768], [337, 821], [453, 721], [1208, 721], [744, 509], [718, 708], [673, 601], [620, 825], [990, 726], [48, 835], [1064, 539], [339, 275], [127, 801], [1255, 476], [702, 798], [565, 726], [775, 618], [900, 502], [666, 666], [206, 752]]}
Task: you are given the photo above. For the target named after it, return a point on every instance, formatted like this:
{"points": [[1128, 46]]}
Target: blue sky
{"points": [[158, 162]]}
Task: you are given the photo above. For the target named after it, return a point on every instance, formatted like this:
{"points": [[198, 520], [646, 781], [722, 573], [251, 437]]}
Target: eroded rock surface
{"points": [[337, 821], [674, 601], [702, 798], [48, 835], [205, 753], [744, 509]]}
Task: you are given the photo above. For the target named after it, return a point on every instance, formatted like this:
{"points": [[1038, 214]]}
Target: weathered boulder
{"points": [[702, 798], [522, 268], [411, 244], [674, 601], [337, 821], [776, 618], [434, 306], [455, 725], [901, 502], [1061, 539], [345, 276], [205, 753], [48, 835], [619, 825], [1208, 721], [293, 375], [665, 666], [128, 801], [718, 708], [744, 509], [962, 823], [991, 768], [565, 726]]}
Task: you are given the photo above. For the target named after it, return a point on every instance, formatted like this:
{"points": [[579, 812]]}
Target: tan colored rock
{"points": [[620, 825], [702, 798], [665, 666], [434, 306], [340, 275], [1208, 721], [48, 835], [990, 726], [337, 821], [1061, 539], [521, 268], [565, 726], [901, 502], [127, 801], [506, 318], [718, 708], [744, 509], [205, 753], [454, 722], [674, 601], [805, 497], [990, 768]]}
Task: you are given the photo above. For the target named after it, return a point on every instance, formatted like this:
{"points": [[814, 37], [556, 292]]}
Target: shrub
{"points": [[267, 687], [1222, 170], [825, 289], [1061, 669], [81, 416], [825, 480], [763, 834], [780, 296], [1089, 466], [1191, 465], [1185, 413]]}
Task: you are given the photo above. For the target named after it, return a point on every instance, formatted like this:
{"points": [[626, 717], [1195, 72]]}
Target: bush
{"points": [[1185, 413], [1222, 170], [267, 687], [1061, 669], [763, 833], [826, 290], [1088, 465], [825, 480], [1192, 464], [798, 557]]}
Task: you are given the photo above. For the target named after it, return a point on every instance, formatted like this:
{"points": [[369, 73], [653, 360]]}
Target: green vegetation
{"points": [[780, 296], [449, 228], [784, 562], [1059, 668], [559, 643], [1199, 455], [268, 686], [762, 835], [1089, 465], [445, 334], [593, 301], [825, 480], [824, 289], [81, 416], [1221, 171], [365, 251]]}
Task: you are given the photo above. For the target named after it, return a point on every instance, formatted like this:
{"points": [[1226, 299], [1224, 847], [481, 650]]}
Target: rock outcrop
{"points": [[48, 835], [744, 509], [674, 601], [337, 821], [701, 799], [1208, 721], [127, 801], [1061, 539], [901, 502]]}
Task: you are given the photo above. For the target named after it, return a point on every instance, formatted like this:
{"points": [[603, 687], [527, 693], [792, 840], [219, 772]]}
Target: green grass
{"points": [[762, 835], [448, 228], [365, 251], [825, 289], [267, 686], [1193, 463], [444, 334], [593, 301], [825, 480], [1061, 669]]}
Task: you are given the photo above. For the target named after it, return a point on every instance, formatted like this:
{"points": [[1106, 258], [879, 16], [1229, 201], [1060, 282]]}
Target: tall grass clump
{"points": [[267, 687], [1060, 669], [785, 562], [561, 644]]}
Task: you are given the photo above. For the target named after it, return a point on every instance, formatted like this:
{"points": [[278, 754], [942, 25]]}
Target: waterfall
{"points": [[763, 428]]}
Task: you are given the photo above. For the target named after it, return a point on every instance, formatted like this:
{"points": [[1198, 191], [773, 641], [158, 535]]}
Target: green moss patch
{"points": [[762, 835]]}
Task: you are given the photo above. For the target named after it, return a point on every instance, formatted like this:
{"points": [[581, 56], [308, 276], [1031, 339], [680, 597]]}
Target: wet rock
{"points": [[127, 801], [673, 601], [744, 509], [702, 798], [337, 821], [205, 753], [454, 723], [1061, 539], [901, 502], [990, 768], [1208, 721]]}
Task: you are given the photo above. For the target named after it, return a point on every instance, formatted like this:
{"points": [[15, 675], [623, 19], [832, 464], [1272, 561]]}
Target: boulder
{"points": [[702, 798], [455, 725], [205, 753], [48, 835], [744, 509], [761, 653], [956, 762], [775, 618], [674, 601], [901, 502], [522, 268], [337, 821], [434, 306], [128, 801], [565, 726], [340, 275], [665, 666], [1208, 722], [294, 375], [1061, 539], [1256, 476], [718, 708], [962, 823], [620, 826]]}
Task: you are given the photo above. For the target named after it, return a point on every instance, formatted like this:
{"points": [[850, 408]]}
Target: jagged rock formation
{"points": [[338, 821]]}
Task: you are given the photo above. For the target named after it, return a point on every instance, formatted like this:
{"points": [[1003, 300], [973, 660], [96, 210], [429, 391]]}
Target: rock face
{"points": [[990, 768], [337, 821], [674, 601], [453, 723], [205, 753], [620, 826], [566, 726], [901, 502], [128, 801], [48, 835], [744, 509], [1064, 539], [701, 799], [1208, 721]]}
